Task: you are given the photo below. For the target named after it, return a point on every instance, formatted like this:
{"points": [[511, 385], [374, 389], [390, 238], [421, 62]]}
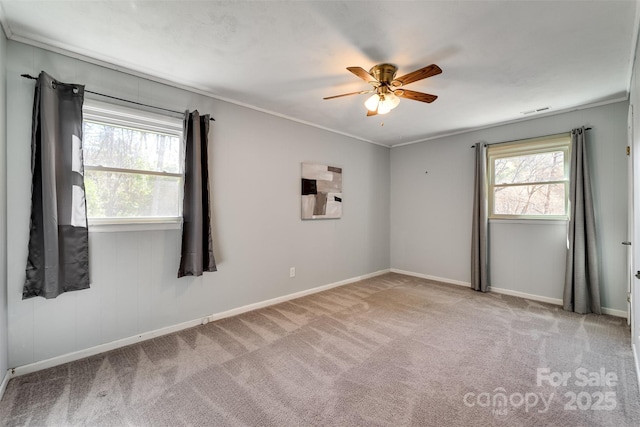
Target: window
{"points": [[133, 165], [529, 179]]}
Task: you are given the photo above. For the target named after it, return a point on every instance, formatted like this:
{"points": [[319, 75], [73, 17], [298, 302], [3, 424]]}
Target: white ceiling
{"points": [[499, 58]]}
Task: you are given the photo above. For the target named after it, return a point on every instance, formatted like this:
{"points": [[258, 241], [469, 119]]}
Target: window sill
{"points": [[114, 226], [529, 221]]}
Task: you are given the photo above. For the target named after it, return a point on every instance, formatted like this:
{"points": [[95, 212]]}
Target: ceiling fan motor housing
{"points": [[384, 73]]}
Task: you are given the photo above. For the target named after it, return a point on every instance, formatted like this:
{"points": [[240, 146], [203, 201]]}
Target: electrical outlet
{"points": [[292, 272]]}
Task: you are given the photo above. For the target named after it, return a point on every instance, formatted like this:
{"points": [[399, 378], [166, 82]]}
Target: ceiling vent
{"points": [[539, 110]]}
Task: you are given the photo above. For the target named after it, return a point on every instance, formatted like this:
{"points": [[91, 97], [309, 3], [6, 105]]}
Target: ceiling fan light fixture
{"points": [[372, 102], [382, 103], [384, 106], [392, 100]]}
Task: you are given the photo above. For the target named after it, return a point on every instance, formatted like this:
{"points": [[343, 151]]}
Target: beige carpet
{"points": [[388, 351]]}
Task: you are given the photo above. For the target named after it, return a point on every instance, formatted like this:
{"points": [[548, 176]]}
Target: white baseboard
{"points": [[540, 298], [428, 277], [91, 351], [5, 381], [533, 297], [554, 301], [635, 358], [614, 312]]}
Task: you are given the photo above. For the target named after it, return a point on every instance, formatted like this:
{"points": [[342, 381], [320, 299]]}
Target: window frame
{"points": [[546, 144], [117, 115]]}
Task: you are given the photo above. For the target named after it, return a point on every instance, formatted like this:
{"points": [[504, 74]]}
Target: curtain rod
{"points": [[27, 76], [535, 137]]}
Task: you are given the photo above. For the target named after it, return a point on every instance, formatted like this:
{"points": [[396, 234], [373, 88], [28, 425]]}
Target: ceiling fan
{"points": [[386, 87]]}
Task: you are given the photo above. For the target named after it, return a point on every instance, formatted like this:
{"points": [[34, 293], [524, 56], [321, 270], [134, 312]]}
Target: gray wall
{"points": [[431, 212], [3, 208], [255, 162]]}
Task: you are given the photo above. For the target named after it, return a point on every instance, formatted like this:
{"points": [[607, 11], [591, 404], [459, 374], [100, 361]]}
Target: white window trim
{"points": [[132, 171], [558, 142], [97, 111], [530, 221], [111, 225], [112, 114]]}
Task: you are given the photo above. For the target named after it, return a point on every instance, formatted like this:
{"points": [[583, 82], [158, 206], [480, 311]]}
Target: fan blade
{"points": [[371, 113], [360, 72], [422, 73], [348, 94], [416, 96]]}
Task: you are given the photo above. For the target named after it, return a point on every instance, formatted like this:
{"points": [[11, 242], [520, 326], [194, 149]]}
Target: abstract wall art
{"points": [[321, 191]]}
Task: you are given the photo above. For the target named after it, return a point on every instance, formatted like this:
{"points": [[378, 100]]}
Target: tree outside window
{"points": [[529, 179]]}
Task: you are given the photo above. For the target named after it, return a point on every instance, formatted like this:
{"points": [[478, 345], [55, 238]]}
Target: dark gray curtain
{"points": [[480, 226], [582, 280], [197, 244], [58, 259]]}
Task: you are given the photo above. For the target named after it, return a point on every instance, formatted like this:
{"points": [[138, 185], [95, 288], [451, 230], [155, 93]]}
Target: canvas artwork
{"points": [[321, 191]]}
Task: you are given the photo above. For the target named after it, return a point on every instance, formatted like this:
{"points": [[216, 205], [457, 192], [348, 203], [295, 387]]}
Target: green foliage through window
{"points": [[132, 165]]}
